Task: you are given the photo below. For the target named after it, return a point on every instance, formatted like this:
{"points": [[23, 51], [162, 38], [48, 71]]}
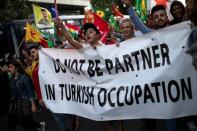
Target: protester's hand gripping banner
{"points": [[149, 76]]}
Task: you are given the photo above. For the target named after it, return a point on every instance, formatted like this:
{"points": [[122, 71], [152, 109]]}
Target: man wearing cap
{"points": [[92, 35]]}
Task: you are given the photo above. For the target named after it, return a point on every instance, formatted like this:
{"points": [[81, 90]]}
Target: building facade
{"points": [[70, 7]]}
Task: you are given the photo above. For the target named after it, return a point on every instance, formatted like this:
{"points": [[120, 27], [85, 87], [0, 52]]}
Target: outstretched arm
{"points": [[137, 22], [67, 35], [134, 18]]}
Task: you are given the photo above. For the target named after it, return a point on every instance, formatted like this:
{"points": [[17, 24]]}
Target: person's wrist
{"points": [[61, 25]]}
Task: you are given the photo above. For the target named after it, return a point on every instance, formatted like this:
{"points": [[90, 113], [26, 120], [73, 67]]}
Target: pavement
{"points": [[89, 125], [86, 124]]}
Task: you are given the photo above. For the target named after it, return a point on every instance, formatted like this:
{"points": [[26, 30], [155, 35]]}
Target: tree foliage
{"points": [[107, 4], [13, 10]]}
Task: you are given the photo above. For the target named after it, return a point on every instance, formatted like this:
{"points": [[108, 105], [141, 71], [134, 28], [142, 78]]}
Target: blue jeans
{"points": [[60, 119], [170, 124]]}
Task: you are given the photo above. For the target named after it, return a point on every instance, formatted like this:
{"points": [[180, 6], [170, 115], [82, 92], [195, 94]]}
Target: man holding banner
{"points": [[127, 28], [158, 12], [160, 20], [192, 41], [143, 80], [92, 36]]}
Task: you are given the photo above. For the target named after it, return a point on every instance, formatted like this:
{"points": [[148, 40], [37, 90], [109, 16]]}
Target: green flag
{"points": [[141, 6], [50, 44], [104, 14], [57, 36], [113, 23]]}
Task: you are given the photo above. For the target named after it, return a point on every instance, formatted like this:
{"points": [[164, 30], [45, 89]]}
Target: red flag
{"points": [[161, 2], [116, 11], [44, 43], [74, 27], [102, 25]]}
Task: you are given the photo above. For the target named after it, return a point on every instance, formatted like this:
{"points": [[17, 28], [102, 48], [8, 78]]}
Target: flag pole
{"points": [[20, 44], [56, 10], [112, 1], [56, 15]]}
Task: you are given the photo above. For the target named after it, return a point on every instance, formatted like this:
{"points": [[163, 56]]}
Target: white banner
{"points": [[149, 76]]}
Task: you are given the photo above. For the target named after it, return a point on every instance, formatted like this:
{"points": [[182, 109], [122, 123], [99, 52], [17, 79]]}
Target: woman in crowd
{"points": [[177, 10], [22, 98], [188, 9], [112, 39]]}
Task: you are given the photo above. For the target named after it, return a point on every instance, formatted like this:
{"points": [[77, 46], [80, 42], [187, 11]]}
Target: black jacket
{"points": [[5, 94]]}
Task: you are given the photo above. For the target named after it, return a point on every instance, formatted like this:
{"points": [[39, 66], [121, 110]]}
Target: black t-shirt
{"points": [[5, 95]]}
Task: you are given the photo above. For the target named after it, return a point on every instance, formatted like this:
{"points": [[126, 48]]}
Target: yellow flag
{"points": [[42, 16], [32, 34]]}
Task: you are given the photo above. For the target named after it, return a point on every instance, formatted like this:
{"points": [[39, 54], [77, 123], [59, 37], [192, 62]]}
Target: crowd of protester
{"points": [[20, 91]]}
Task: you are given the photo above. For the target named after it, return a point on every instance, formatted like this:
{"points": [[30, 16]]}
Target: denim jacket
{"points": [[22, 87], [137, 22]]}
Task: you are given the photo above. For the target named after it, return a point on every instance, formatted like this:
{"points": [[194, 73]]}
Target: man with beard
{"points": [[45, 19], [158, 12], [160, 17], [160, 20]]}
